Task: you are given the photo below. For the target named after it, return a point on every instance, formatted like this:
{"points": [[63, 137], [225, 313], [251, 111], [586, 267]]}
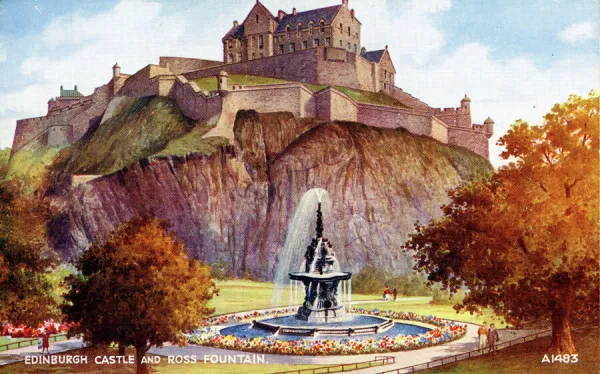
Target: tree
{"points": [[138, 289], [525, 242], [25, 257]]}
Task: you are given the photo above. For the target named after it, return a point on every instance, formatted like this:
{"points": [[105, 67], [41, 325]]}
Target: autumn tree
{"points": [[25, 257], [138, 289], [525, 242]]}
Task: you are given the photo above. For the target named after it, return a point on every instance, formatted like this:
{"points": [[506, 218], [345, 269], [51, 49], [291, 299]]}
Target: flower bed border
{"points": [[444, 331]]}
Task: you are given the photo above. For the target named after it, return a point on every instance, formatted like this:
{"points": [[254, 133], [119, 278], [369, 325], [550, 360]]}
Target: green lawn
{"points": [[423, 307], [526, 358], [243, 295], [210, 83]]}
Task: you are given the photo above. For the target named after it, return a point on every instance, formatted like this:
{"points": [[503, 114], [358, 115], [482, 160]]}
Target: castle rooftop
{"points": [[315, 15], [70, 93], [374, 56]]}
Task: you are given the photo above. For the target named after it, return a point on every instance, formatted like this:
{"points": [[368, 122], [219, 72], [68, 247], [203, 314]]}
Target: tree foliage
{"points": [[525, 242], [138, 289], [25, 258]]}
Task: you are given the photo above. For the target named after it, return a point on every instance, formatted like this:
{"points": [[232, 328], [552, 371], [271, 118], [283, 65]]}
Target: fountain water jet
{"points": [[298, 236]]}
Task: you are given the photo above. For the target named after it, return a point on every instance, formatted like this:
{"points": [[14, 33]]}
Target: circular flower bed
{"points": [[22, 331], [443, 332]]}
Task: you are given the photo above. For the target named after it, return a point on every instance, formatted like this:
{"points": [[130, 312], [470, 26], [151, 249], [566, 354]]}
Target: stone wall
{"points": [[332, 66], [60, 136], [179, 65], [472, 139], [387, 117], [300, 67]]}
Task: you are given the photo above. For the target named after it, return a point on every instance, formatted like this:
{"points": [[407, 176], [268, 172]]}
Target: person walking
{"points": [[46, 342], [493, 337], [482, 332], [395, 293], [386, 293]]}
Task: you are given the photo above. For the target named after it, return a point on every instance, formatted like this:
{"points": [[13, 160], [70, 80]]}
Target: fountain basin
{"points": [[350, 326]]}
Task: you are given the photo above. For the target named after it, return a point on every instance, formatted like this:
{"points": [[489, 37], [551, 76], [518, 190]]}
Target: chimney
{"points": [[235, 23], [294, 11], [352, 13], [345, 2], [61, 90]]}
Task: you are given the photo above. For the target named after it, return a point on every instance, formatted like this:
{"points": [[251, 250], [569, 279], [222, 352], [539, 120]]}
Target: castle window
{"points": [[292, 47], [310, 27], [341, 28], [304, 44], [348, 30], [288, 28], [299, 28], [348, 46], [316, 43], [230, 44], [322, 26], [254, 41], [230, 58], [328, 42], [355, 48], [341, 44], [281, 49], [253, 55], [239, 57], [257, 18], [260, 42]]}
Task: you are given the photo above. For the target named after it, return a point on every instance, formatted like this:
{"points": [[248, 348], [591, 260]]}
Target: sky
{"points": [[515, 59]]}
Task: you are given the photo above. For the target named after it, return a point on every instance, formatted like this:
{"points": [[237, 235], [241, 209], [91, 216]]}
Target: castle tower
{"points": [[488, 126], [116, 70], [223, 81], [465, 103]]}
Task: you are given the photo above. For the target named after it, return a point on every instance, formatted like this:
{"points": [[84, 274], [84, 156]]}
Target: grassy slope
{"points": [[4, 156], [192, 142], [526, 358], [210, 83], [29, 163], [141, 128]]}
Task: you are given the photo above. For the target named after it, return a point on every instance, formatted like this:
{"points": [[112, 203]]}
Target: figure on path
{"points": [[46, 342], [492, 337], [482, 332], [395, 294]]}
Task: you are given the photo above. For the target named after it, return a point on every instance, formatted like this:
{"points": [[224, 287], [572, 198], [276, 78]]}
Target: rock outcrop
{"points": [[232, 208]]}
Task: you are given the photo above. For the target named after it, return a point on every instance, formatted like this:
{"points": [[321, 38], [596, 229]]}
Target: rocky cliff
{"points": [[232, 208]]}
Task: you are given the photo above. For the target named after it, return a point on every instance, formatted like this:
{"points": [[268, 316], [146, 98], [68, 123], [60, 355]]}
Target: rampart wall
{"points": [[180, 65], [387, 117], [473, 139], [322, 65], [69, 123], [457, 117]]}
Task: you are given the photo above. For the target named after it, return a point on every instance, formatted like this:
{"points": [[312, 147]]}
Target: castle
{"points": [[318, 68]]}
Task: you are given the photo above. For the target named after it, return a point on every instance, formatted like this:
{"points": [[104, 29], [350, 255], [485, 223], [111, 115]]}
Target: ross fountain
{"points": [[322, 312], [321, 280]]}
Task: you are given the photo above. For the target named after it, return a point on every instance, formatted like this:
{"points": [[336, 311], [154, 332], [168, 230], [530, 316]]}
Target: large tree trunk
{"points": [[140, 352], [561, 297]]}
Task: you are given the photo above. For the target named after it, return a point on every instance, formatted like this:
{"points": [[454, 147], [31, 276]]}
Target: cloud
{"points": [[2, 53], [431, 6], [579, 31], [506, 90]]}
